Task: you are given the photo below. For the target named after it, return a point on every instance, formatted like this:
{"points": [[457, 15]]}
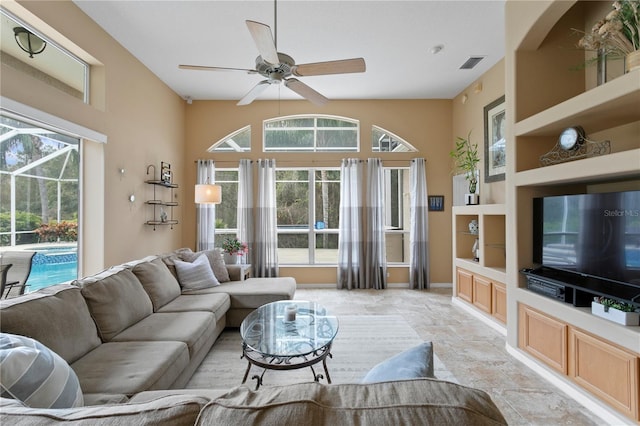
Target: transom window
{"points": [[238, 141], [384, 141], [304, 133]]}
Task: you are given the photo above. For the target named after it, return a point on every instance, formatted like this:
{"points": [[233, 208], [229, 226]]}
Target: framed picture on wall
{"points": [[436, 203], [495, 142]]}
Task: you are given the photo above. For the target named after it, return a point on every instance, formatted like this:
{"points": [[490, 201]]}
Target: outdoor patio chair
{"points": [[18, 274], [4, 269]]}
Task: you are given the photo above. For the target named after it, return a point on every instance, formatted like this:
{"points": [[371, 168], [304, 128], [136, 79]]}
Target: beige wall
{"points": [[426, 124], [146, 123], [142, 118], [469, 117]]}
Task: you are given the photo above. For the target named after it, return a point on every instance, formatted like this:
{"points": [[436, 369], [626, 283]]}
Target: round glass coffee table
{"points": [[288, 335]]}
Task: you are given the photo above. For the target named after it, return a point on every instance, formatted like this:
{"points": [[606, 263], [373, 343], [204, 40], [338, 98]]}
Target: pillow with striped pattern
{"points": [[195, 275], [32, 373]]}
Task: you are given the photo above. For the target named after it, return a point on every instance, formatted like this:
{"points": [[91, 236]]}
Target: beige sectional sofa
{"points": [[134, 335], [131, 328]]}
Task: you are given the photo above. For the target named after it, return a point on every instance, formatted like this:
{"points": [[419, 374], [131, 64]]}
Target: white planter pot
{"points": [[231, 259], [615, 315]]}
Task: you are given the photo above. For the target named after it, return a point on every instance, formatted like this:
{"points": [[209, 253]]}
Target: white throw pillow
{"points": [[32, 373], [195, 275]]}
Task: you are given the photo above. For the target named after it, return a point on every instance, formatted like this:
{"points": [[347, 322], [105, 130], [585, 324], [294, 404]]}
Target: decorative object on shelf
{"points": [[617, 35], [165, 172], [466, 160], [476, 250], [495, 143], [632, 61], [436, 203], [601, 72], [473, 227], [618, 312], [574, 145], [233, 250], [163, 215]]}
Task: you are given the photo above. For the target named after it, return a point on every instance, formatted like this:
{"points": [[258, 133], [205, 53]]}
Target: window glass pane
{"points": [[227, 210], [221, 235], [289, 123], [53, 66], [293, 248], [326, 248], [292, 199], [327, 199], [334, 122], [45, 167], [384, 141], [288, 140], [238, 141], [337, 140], [397, 246]]}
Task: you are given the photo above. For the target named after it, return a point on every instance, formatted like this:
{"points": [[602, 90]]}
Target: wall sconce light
{"points": [[208, 194], [477, 88], [28, 41]]}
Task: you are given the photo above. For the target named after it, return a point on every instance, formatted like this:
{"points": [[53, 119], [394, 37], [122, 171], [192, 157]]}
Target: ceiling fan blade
{"points": [[343, 66], [203, 68], [263, 38], [305, 91], [254, 93]]}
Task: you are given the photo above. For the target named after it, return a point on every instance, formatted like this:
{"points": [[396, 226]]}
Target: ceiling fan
{"points": [[279, 67]]}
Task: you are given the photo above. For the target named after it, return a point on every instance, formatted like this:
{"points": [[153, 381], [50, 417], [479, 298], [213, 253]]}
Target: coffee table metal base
{"points": [[286, 363]]}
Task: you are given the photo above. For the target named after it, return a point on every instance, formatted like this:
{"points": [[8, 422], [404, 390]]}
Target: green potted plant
{"points": [[616, 311], [466, 159], [232, 248]]}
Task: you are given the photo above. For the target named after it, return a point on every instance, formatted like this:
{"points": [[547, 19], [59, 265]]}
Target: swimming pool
{"points": [[52, 265]]}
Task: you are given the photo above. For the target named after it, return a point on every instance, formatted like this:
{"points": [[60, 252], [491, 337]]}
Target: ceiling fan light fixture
{"points": [[28, 41]]}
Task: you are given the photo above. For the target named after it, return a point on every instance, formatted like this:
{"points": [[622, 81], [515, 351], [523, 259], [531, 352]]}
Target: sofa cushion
{"points": [[407, 402], [413, 363], [192, 328], [56, 316], [131, 367], [195, 275], [173, 410], [161, 286], [215, 259], [217, 303], [116, 302], [254, 292], [30, 372]]}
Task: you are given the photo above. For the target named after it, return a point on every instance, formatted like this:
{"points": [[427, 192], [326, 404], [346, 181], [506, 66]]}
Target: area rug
{"points": [[362, 342]]}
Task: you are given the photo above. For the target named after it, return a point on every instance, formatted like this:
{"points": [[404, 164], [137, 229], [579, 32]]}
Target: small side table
{"points": [[241, 271]]}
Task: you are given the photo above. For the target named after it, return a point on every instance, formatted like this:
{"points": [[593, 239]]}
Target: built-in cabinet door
{"points": [[543, 337], [605, 370], [482, 293], [465, 285], [499, 302]]}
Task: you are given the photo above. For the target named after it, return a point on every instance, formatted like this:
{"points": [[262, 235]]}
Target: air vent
{"points": [[471, 62]]}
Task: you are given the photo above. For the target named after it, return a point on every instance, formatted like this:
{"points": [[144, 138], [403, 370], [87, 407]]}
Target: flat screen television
{"points": [[591, 241]]}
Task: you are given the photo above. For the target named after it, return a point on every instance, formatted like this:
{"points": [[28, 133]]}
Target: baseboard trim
{"points": [[590, 402], [485, 318]]}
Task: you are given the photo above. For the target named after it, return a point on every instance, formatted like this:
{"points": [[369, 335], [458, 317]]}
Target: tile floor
{"points": [[473, 352]]}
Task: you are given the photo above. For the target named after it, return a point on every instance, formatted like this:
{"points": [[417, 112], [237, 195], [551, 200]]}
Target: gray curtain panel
{"points": [[351, 273], [266, 241], [205, 213], [419, 232], [375, 254], [245, 207]]}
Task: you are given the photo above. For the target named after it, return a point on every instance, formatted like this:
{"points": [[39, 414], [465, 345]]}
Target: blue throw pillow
{"points": [[413, 363]]}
